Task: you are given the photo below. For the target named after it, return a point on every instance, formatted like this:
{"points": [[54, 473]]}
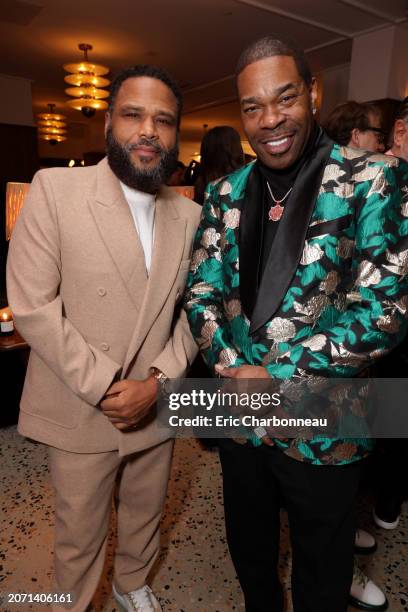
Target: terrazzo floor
{"points": [[194, 572]]}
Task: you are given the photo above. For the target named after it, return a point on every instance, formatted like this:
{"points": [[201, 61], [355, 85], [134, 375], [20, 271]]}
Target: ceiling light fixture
{"points": [[87, 80], [51, 127]]}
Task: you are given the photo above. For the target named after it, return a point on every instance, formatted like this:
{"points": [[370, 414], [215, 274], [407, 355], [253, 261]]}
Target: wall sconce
{"points": [[15, 196]]}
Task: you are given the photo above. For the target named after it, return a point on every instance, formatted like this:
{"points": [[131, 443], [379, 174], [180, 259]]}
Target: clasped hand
{"points": [[127, 402], [248, 372]]}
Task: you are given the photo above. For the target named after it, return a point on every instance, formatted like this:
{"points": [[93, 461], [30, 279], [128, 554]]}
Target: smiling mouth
{"points": [[278, 145]]}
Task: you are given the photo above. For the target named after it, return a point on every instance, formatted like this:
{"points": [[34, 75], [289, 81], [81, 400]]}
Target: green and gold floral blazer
{"points": [[333, 297]]}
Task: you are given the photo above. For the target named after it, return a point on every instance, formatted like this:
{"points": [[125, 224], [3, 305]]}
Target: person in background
{"points": [[399, 146], [392, 484], [221, 153], [191, 173], [356, 125], [97, 267], [177, 177]]}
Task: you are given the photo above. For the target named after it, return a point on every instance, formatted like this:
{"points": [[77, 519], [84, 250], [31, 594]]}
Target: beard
{"points": [[148, 180]]}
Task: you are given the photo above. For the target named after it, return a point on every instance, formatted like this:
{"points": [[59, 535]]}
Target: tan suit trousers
{"points": [[84, 484]]}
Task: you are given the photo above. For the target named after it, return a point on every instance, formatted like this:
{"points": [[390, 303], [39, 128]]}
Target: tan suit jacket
{"points": [[81, 297]]}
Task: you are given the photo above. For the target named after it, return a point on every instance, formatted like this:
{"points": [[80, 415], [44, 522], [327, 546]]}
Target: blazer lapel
{"points": [[250, 242], [115, 223], [168, 247], [288, 245]]}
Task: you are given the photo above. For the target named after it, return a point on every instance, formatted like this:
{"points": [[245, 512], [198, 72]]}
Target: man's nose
{"points": [[271, 117], [148, 128]]}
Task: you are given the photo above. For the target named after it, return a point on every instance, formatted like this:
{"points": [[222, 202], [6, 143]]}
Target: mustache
{"points": [[286, 129], [143, 142], [276, 134]]}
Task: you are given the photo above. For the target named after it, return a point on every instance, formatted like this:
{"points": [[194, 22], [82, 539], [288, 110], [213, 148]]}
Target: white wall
{"points": [[379, 65], [398, 83]]}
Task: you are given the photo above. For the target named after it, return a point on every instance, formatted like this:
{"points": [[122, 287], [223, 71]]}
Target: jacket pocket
{"points": [[46, 397], [329, 227]]}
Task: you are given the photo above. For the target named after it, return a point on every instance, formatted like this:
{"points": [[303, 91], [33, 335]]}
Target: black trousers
{"points": [[391, 480], [321, 506]]}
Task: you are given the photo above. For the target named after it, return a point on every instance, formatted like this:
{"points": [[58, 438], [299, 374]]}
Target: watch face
{"points": [[168, 386]]}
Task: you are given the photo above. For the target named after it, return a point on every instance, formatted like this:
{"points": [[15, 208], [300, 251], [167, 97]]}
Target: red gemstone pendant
{"points": [[275, 212]]}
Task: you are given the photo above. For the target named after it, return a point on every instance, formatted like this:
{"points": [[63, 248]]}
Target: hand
{"points": [[246, 371], [128, 401], [268, 441]]}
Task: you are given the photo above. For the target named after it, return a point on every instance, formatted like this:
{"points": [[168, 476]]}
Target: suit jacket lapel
{"points": [[116, 226], [168, 247], [288, 245], [250, 242]]}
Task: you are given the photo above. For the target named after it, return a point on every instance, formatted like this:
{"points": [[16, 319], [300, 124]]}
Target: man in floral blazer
{"points": [[298, 271]]}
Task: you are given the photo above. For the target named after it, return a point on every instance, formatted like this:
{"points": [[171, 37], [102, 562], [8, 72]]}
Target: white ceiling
{"points": [[198, 41]]}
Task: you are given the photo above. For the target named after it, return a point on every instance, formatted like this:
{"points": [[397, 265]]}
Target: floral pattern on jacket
{"points": [[346, 305]]}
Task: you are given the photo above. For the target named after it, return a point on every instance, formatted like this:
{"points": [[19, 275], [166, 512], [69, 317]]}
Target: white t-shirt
{"points": [[142, 206]]}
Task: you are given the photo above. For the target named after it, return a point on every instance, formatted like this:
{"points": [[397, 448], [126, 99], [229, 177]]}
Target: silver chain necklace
{"points": [[276, 212]]}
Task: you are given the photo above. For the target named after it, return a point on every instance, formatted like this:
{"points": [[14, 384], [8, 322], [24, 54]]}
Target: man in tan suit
{"points": [[97, 267]]}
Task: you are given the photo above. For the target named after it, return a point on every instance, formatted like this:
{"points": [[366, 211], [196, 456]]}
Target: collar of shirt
{"points": [[138, 198], [142, 206]]}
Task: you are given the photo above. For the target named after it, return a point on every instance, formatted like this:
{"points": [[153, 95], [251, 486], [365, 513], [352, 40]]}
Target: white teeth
{"points": [[276, 143]]}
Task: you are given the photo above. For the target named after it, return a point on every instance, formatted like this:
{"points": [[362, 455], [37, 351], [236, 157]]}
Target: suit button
{"points": [[104, 346], [101, 291]]}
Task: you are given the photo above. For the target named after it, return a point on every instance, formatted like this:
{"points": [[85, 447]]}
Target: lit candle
{"points": [[6, 324]]}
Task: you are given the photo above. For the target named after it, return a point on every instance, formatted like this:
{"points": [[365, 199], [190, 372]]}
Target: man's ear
{"points": [[107, 122], [400, 129], [354, 138], [313, 92]]}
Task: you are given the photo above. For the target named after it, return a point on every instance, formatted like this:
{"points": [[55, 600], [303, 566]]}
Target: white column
{"points": [[379, 65]]}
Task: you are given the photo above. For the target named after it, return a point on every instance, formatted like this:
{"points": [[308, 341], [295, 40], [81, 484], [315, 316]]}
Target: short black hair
{"points": [[146, 70], [270, 46]]}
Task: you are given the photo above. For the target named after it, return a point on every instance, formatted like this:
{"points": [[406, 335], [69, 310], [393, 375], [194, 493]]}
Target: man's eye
{"points": [[288, 99], [164, 120], [132, 115], [250, 109]]}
